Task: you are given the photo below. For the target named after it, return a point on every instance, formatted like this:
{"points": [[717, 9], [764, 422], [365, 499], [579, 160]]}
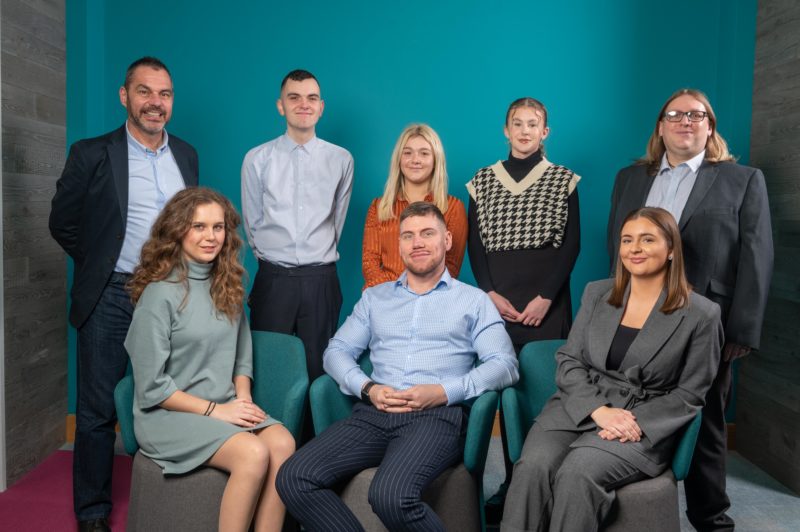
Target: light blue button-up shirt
{"points": [[294, 200], [672, 186], [153, 178], [430, 338]]}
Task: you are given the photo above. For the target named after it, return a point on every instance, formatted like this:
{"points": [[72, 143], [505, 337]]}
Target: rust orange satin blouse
{"points": [[380, 257]]}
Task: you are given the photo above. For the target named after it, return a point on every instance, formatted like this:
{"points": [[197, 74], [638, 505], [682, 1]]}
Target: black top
{"points": [[519, 168], [619, 346]]}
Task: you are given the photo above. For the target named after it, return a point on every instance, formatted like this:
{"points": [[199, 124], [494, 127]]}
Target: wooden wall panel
{"points": [[34, 135], [768, 405]]}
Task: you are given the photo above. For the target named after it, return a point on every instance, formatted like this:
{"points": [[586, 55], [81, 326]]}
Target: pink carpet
{"points": [[42, 499]]}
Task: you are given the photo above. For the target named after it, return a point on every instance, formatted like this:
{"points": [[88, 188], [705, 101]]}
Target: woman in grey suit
{"points": [[639, 359]]}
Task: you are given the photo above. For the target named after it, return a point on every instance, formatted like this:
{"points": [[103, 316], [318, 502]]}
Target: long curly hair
{"points": [[162, 254]]}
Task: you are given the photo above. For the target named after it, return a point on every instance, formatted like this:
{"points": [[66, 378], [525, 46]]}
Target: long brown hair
{"points": [[163, 253], [716, 147], [675, 281]]}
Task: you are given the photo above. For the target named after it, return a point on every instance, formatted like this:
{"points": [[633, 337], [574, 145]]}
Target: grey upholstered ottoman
{"points": [[174, 503], [650, 505], [453, 496]]}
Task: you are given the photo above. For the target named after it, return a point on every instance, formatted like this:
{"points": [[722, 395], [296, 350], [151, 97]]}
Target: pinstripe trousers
{"points": [[410, 450]]}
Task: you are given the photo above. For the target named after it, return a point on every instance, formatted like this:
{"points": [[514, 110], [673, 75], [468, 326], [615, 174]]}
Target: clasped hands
{"points": [[418, 397], [532, 315], [617, 424], [242, 412]]}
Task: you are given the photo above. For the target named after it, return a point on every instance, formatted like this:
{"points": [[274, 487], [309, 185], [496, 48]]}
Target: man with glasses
{"points": [[722, 211]]}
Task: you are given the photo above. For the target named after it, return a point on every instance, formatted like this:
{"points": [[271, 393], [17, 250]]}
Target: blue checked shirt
{"points": [[672, 186], [430, 338]]}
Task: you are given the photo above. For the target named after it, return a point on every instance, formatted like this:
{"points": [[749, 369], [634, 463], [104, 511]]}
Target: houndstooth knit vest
{"points": [[525, 215]]}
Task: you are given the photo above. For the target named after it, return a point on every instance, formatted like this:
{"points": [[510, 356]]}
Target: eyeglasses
{"points": [[677, 116]]}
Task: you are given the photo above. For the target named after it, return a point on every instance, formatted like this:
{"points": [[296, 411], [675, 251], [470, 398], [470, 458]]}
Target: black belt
{"points": [[297, 271], [120, 277]]}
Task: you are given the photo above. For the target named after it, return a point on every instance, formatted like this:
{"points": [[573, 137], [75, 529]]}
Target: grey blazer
{"points": [[727, 239], [663, 378]]}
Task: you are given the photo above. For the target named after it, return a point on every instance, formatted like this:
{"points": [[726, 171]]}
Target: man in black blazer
{"points": [[109, 194], [724, 219]]}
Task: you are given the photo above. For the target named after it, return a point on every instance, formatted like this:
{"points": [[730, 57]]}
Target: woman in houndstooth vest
{"points": [[524, 235]]}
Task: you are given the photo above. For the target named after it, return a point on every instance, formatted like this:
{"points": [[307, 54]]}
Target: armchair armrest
{"points": [[683, 454], [479, 432], [294, 409], [123, 402], [515, 429], [328, 403]]}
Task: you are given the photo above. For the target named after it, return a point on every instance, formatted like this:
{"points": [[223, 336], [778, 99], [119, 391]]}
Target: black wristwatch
{"points": [[365, 392]]}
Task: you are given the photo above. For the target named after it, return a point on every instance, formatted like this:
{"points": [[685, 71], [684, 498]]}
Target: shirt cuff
{"points": [[356, 384], [454, 389]]}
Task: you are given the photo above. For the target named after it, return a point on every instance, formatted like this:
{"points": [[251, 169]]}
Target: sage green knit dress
{"points": [[189, 347]]}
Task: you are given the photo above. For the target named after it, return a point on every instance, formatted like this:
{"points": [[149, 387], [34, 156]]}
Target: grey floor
{"points": [[759, 503]]}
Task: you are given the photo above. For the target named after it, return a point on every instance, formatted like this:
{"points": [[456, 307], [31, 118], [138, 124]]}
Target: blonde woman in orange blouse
{"points": [[417, 172]]}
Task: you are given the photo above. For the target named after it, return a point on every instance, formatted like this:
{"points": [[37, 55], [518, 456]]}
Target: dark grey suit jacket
{"points": [[663, 378], [90, 210], [727, 239]]}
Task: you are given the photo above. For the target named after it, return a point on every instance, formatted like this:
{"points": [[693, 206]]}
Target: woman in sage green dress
{"points": [[191, 354]]}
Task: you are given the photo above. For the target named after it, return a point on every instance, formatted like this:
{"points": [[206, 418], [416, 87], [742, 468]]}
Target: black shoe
{"points": [[493, 509], [94, 525]]}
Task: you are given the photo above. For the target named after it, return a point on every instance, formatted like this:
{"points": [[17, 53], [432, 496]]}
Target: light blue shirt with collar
{"points": [[431, 338], [295, 199], [153, 178], [672, 186]]}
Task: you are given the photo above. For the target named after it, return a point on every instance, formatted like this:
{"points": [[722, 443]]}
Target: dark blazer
{"points": [[90, 208], [663, 378], [727, 239]]}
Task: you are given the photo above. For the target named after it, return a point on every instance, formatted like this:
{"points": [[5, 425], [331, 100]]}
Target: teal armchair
{"points": [[523, 402], [280, 378], [448, 495], [191, 501]]}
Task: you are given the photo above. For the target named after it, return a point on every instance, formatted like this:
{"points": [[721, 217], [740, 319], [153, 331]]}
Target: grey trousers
{"points": [[558, 488]]}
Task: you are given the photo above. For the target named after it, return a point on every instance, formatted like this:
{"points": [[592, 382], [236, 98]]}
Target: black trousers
{"points": [[706, 499], [410, 451], [304, 301]]}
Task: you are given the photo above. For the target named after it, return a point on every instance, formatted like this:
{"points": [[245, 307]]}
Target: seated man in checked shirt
{"points": [[425, 333]]}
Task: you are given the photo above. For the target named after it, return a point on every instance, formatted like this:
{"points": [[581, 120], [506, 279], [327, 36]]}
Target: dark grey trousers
{"points": [[410, 450], [558, 488]]}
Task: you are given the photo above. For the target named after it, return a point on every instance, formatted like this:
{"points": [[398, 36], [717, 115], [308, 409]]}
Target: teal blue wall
{"points": [[602, 68]]}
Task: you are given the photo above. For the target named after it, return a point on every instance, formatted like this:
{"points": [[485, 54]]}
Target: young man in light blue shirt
{"points": [[425, 333], [295, 194]]}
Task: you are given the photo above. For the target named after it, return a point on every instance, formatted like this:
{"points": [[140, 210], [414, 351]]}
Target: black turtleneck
{"points": [[519, 168]]}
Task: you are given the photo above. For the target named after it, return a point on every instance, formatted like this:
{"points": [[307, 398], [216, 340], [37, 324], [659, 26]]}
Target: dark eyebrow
{"points": [[144, 86], [623, 235], [313, 94]]}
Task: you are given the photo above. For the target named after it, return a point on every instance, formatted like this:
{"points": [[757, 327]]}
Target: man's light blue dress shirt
{"points": [[672, 186], [153, 178], [430, 338], [294, 200]]}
